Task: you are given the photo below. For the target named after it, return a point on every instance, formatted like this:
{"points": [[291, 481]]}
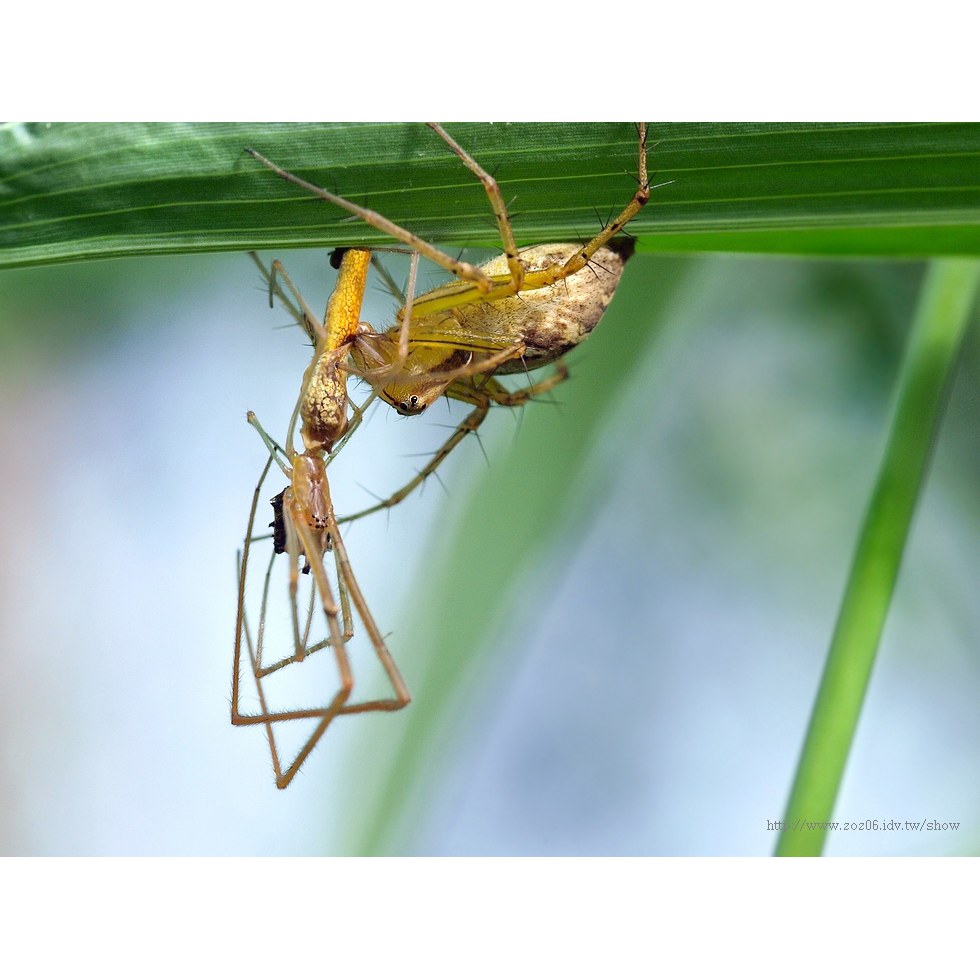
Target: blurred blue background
{"points": [[648, 688]]}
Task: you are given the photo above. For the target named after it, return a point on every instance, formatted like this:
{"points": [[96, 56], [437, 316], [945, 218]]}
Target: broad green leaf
{"points": [[76, 191]]}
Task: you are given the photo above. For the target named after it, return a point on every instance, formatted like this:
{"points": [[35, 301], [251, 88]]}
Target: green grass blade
{"points": [[96, 190], [947, 298], [487, 551]]}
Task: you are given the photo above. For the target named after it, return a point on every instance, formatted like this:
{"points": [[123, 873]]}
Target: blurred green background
{"points": [[613, 626]]}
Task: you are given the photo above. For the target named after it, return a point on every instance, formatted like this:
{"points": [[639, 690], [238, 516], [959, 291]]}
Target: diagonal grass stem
{"points": [[945, 302]]}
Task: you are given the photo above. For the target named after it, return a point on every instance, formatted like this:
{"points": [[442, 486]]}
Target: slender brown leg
{"points": [[481, 394]]}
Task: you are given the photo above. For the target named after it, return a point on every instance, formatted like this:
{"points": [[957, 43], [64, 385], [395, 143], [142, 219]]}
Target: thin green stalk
{"points": [[945, 302]]}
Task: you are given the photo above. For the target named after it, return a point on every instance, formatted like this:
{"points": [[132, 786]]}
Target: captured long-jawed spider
{"points": [[522, 310], [305, 529]]}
